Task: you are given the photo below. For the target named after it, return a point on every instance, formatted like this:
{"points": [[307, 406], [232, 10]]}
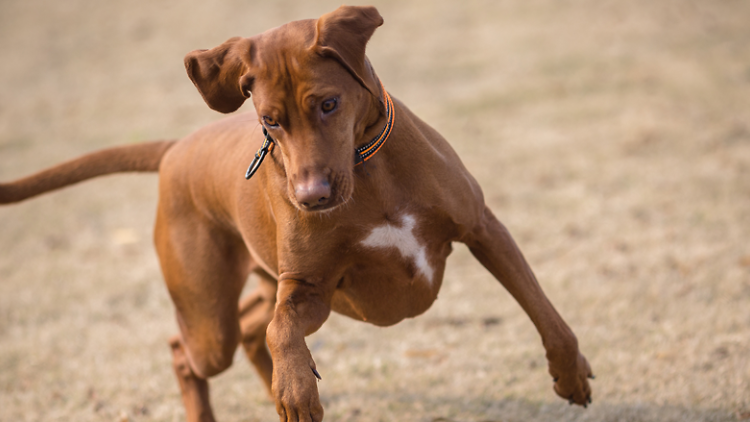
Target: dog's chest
{"points": [[397, 273], [401, 238]]}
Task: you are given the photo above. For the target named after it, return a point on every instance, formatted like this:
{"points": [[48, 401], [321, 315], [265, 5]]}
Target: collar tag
{"points": [[267, 147]]}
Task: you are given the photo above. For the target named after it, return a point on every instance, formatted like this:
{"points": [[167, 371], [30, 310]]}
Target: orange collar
{"points": [[366, 152]]}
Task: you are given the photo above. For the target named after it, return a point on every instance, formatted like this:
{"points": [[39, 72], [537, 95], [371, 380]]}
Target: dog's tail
{"points": [[145, 157]]}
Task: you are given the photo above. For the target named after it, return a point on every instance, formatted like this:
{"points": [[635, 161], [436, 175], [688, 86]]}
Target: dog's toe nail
{"points": [[555, 379], [317, 375], [570, 400], [592, 376], [590, 401]]}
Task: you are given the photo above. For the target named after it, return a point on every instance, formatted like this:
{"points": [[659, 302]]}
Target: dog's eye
{"points": [[270, 121], [329, 105]]}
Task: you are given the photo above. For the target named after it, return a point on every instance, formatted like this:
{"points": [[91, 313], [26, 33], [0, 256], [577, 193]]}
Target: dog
{"points": [[350, 204]]}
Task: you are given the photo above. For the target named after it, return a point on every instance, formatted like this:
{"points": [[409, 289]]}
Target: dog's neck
{"points": [[368, 150]]}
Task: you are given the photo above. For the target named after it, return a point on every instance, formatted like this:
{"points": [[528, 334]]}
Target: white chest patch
{"points": [[401, 238]]}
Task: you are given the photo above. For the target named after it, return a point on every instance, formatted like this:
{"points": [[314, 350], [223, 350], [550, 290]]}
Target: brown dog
{"points": [[322, 229]]}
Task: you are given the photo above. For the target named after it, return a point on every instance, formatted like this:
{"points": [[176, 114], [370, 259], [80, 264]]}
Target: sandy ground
{"points": [[611, 137]]}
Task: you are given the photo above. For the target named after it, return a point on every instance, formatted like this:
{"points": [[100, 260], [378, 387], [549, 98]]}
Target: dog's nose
{"points": [[313, 192]]}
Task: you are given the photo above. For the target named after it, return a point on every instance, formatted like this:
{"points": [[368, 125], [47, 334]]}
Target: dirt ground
{"points": [[611, 137]]}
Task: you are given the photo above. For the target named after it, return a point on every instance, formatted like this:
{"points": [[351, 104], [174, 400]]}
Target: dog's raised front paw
{"points": [[295, 391], [572, 383]]}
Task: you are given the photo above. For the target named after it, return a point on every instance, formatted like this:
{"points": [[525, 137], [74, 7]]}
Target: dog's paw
{"points": [[572, 383], [295, 391]]}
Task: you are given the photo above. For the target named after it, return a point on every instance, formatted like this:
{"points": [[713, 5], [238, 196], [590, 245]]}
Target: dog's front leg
{"points": [[301, 309], [493, 246]]}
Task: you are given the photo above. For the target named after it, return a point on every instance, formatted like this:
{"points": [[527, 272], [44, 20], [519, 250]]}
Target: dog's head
{"points": [[313, 89]]}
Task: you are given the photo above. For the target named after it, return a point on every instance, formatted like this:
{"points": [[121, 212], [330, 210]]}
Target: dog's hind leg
{"points": [[256, 312], [205, 268], [194, 390]]}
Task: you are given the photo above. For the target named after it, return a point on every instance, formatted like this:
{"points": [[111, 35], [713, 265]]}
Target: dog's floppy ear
{"points": [[221, 74], [343, 35]]}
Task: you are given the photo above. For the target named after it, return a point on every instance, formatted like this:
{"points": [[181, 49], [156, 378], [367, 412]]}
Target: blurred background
{"points": [[611, 137]]}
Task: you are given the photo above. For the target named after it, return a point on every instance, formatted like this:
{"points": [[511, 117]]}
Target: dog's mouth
{"points": [[318, 208]]}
